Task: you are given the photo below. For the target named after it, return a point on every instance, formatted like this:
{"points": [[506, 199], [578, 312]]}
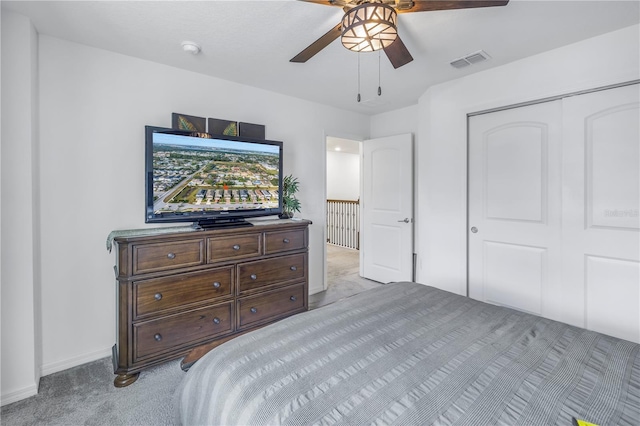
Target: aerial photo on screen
{"points": [[200, 175]]}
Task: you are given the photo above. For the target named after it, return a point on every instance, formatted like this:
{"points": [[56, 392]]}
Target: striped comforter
{"points": [[410, 354]]}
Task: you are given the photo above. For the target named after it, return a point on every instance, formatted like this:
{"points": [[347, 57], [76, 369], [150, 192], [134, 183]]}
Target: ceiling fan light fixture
{"points": [[369, 27]]}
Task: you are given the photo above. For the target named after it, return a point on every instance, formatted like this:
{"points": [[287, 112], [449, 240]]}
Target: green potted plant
{"points": [[290, 203]]}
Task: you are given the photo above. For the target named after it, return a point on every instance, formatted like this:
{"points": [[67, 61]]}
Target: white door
{"points": [[386, 253], [601, 282], [554, 200], [514, 207]]}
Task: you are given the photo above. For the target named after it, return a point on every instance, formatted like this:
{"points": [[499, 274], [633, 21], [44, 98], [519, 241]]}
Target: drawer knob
{"points": [[171, 255], [236, 247], [254, 310], [286, 241], [157, 296], [294, 268], [254, 277], [216, 320], [216, 284], [158, 337], [293, 298]]}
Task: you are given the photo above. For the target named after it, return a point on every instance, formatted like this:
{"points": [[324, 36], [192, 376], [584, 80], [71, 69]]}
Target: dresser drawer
{"points": [[166, 256], [275, 242], [271, 305], [161, 295], [175, 331], [264, 273], [233, 247]]}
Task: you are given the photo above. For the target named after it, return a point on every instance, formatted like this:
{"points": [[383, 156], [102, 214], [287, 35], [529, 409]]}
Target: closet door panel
{"points": [[601, 203], [514, 208], [611, 296]]}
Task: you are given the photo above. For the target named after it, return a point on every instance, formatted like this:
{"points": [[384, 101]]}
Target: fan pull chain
{"points": [[358, 76], [379, 86]]}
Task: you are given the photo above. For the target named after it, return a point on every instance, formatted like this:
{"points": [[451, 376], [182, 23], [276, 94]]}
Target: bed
{"points": [[410, 354]]}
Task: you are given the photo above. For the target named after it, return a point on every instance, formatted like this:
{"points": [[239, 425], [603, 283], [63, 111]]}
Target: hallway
{"points": [[343, 278]]}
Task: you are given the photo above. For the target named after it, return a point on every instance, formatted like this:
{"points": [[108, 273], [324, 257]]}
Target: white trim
{"points": [[553, 98], [58, 366], [18, 395]]}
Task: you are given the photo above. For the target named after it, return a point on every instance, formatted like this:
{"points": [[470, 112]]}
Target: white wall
{"points": [[93, 108], [21, 346], [607, 59], [343, 176], [404, 120]]}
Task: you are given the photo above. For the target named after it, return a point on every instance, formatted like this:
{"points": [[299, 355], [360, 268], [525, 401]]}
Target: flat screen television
{"points": [[210, 180]]}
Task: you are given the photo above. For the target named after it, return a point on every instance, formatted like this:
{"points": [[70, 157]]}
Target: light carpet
{"points": [[85, 395]]}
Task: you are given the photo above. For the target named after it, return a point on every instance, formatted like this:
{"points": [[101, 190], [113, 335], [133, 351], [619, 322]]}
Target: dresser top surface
{"points": [[135, 235]]}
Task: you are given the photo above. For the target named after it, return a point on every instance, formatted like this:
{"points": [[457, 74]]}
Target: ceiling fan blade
{"points": [[430, 5], [318, 45], [325, 2], [398, 53]]}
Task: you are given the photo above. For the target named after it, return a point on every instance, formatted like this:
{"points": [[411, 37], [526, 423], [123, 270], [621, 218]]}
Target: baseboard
{"points": [[58, 366], [51, 368], [15, 396]]}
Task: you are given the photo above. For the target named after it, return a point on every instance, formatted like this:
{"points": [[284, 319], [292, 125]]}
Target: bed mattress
{"points": [[410, 354]]}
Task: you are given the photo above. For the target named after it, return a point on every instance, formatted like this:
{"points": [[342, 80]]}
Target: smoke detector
{"points": [[470, 59], [191, 47]]}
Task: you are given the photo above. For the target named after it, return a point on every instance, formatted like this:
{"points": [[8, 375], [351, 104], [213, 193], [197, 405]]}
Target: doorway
{"points": [[342, 245]]}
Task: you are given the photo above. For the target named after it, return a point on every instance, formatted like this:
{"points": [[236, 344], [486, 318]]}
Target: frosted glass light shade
{"points": [[369, 27]]}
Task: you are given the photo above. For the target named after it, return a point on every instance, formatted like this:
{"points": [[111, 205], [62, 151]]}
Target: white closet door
{"points": [[514, 208], [554, 193], [601, 221]]}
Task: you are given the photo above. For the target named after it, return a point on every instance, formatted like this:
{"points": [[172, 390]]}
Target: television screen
{"points": [[210, 179]]}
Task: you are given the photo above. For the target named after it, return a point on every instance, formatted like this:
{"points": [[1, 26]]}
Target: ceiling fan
{"points": [[387, 38]]}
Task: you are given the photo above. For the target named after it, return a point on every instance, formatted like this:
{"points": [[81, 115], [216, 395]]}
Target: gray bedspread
{"points": [[410, 354]]}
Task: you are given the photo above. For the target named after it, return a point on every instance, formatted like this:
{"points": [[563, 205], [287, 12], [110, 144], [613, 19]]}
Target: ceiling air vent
{"points": [[470, 59], [460, 63]]}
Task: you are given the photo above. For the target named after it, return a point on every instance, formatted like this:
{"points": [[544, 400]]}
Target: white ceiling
{"points": [[345, 146], [251, 42]]}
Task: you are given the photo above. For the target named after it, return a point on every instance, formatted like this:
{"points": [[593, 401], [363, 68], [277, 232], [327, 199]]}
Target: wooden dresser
{"points": [[181, 294]]}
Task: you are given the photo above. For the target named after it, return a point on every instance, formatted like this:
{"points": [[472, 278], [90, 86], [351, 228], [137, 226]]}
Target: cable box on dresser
{"points": [[182, 294]]}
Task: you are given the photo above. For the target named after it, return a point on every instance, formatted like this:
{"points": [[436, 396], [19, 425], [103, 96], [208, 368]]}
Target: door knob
{"points": [[405, 220], [474, 229]]}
